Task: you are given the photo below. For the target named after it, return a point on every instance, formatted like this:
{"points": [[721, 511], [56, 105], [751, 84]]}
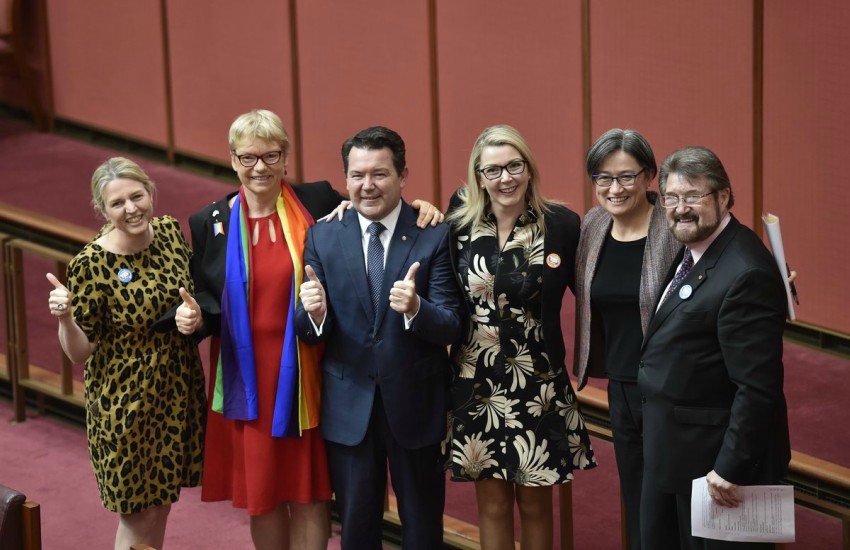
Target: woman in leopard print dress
{"points": [[144, 388]]}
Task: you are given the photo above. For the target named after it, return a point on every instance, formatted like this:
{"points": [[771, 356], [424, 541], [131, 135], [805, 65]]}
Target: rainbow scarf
{"points": [[296, 406]]}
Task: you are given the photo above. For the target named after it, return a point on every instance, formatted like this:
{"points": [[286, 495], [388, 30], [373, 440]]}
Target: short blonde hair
{"points": [[114, 169], [476, 200], [259, 124]]}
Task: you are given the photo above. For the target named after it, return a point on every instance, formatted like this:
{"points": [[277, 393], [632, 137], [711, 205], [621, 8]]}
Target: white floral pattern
{"points": [[513, 417]]}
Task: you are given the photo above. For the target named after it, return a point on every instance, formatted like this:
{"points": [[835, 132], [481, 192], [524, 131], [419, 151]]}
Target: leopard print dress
{"points": [[144, 389]]}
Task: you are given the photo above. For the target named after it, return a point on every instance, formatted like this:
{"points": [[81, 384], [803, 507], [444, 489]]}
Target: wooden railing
{"points": [[819, 485], [24, 233]]}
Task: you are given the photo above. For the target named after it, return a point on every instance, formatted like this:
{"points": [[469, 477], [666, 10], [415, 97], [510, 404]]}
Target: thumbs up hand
{"points": [[403, 297], [188, 316], [60, 298], [313, 296]]}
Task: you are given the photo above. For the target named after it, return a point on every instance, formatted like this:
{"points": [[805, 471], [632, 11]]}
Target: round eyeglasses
{"points": [[625, 180], [249, 161], [514, 167], [672, 201]]}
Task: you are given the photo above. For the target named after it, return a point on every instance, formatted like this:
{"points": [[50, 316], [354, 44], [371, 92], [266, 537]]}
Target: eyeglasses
{"points": [[625, 180], [672, 201], [249, 161], [514, 168]]}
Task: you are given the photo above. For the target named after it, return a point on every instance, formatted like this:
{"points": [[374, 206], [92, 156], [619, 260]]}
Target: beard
{"points": [[700, 229]]}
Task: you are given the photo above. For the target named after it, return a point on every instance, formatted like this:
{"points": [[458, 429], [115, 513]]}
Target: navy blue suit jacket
{"points": [[365, 349]]}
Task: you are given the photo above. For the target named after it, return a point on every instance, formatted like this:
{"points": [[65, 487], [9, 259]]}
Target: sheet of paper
{"points": [[765, 515], [774, 236]]}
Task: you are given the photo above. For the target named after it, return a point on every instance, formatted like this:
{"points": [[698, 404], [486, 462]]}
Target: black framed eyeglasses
{"points": [[249, 161], [514, 167], [625, 180], [672, 201]]}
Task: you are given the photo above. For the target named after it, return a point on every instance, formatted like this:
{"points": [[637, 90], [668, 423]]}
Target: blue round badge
{"points": [[685, 292], [125, 275]]}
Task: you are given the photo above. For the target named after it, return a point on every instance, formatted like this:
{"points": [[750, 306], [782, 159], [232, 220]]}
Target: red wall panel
{"points": [[226, 59], [505, 62], [108, 69], [679, 72], [365, 64], [807, 74]]}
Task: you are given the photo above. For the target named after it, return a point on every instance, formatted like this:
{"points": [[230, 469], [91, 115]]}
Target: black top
{"points": [[615, 299]]}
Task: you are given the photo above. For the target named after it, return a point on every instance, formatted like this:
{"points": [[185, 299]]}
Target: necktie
{"points": [[684, 269], [375, 262]]}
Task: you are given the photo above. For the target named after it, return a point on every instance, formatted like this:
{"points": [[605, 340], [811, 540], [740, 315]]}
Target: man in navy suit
{"points": [[380, 292], [711, 370]]}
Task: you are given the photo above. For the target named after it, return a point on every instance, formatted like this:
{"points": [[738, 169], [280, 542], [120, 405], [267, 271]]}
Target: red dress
{"points": [[243, 462]]}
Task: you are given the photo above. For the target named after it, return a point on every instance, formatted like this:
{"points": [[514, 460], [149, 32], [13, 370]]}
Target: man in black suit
{"points": [[380, 292], [711, 369]]}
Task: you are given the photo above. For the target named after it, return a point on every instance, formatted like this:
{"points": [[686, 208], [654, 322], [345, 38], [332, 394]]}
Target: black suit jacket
{"points": [[711, 371], [209, 248]]}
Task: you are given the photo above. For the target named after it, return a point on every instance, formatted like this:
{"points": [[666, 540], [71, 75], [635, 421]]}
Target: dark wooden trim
{"points": [[434, 77], [45, 224], [169, 91], [758, 115], [586, 96], [295, 65], [49, 107]]}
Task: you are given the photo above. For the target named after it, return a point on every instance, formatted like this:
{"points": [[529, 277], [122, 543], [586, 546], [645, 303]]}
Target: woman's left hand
{"points": [[338, 212], [428, 213]]}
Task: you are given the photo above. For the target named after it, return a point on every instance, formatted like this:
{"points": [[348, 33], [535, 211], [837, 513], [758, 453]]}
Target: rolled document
{"points": [[774, 235]]}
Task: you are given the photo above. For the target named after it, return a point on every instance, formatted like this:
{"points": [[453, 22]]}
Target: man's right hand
{"points": [[313, 297]]}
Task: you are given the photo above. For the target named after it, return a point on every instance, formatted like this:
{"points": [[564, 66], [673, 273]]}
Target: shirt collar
{"points": [[389, 221]]}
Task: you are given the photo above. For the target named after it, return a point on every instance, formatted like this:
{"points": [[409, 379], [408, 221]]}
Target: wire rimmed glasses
{"points": [[672, 201]]}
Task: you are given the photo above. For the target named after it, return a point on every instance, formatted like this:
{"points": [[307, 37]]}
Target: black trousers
{"points": [[666, 524], [627, 424]]}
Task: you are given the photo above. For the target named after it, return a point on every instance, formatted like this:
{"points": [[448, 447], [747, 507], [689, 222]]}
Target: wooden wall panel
{"points": [[226, 59], [679, 72], [807, 75], [107, 66], [504, 62], [364, 64]]}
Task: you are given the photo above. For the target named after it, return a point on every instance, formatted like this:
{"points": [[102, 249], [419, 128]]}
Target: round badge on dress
{"points": [[125, 275], [685, 292], [553, 260]]}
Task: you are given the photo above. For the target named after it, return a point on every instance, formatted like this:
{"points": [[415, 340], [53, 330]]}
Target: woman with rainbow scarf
{"points": [[263, 449]]}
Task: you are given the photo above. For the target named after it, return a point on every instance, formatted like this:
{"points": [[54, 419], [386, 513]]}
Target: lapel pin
{"points": [[685, 292], [125, 275], [553, 260], [404, 237], [215, 213], [218, 229]]}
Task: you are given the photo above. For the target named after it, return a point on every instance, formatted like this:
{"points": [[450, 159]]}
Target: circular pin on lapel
{"points": [[685, 292], [553, 260], [125, 275]]}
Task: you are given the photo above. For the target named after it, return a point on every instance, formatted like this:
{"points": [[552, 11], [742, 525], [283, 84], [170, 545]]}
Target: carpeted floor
{"points": [[50, 174]]}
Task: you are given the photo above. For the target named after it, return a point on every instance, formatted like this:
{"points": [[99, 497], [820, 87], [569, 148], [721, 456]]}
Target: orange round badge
{"points": [[553, 260]]}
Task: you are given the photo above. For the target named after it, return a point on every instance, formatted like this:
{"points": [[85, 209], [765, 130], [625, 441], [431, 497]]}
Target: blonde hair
{"points": [[475, 199], [261, 124], [114, 169]]}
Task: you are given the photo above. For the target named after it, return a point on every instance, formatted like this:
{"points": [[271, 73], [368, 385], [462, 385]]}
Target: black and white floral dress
{"points": [[513, 417]]}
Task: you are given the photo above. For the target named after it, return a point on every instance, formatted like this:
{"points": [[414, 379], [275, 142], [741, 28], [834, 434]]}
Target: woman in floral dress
{"points": [[515, 428]]}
